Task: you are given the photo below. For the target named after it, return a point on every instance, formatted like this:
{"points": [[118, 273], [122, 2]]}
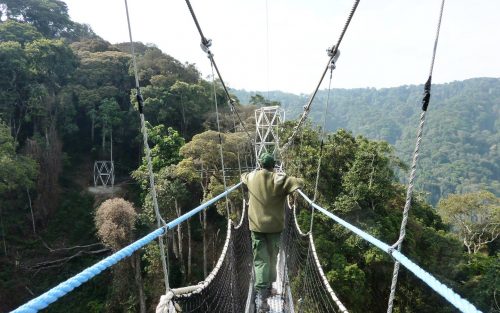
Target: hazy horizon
{"points": [[281, 44]]}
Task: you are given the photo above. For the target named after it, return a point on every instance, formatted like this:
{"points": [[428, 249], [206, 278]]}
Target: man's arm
{"points": [[244, 178], [292, 184]]}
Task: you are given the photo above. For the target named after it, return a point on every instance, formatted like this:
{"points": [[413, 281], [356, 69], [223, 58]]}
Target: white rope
{"points": [[312, 251], [322, 139], [189, 290], [334, 297], [409, 192], [159, 219], [220, 141]]}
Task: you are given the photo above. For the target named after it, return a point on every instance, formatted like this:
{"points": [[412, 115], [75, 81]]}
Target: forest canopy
{"points": [[68, 99]]}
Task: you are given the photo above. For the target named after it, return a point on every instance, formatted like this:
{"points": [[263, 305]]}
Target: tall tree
{"points": [[109, 116], [474, 217], [50, 17], [22, 33]]}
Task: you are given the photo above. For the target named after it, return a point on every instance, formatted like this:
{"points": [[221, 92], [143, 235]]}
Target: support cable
{"points": [[409, 192], [239, 163], [205, 46], [322, 138], [220, 142], [140, 101], [333, 54], [318, 170], [267, 46], [311, 243]]}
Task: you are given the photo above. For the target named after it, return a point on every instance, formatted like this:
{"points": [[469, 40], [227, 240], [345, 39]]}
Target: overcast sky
{"points": [[281, 44]]}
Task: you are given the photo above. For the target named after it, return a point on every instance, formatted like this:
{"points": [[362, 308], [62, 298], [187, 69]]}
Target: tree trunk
{"points": [[3, 232], [184, 126], [103, 140], [204, 225], [179, 241], [92, 130], [136, 265], [111, 143], [189, 250], [174, 245], [203, 220], [31, 209], [47, 141]]}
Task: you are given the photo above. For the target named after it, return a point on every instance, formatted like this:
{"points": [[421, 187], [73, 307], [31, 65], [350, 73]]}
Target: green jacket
{"points": [[268, 191]]}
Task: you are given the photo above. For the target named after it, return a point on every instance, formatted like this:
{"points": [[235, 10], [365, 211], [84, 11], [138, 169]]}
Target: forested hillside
{"points": [[67, 99], [460, 150]]}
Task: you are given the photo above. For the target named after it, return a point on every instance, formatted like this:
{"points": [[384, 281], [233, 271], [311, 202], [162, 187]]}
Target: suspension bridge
{"points": [[301, 284]]}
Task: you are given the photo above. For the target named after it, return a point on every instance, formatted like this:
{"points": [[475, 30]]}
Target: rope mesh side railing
{"points": [[309, 287], [447, 293], [227, 287], [54, 294]]}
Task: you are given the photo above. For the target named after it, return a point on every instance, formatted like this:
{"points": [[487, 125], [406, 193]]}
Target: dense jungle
{"points": [[67, 99]]}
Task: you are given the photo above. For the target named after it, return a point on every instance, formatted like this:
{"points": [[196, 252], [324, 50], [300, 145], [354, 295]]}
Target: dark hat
{"points": [[267, 160]]}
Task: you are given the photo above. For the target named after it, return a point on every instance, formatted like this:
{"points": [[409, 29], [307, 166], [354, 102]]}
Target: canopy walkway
{"points": [[301, 285]]}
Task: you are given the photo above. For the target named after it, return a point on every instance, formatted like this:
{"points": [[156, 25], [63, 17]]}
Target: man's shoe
{"points": [[261, 301], [264, 307]]}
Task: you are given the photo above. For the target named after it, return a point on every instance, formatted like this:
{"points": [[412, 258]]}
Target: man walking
{"points": [[266, 214]]}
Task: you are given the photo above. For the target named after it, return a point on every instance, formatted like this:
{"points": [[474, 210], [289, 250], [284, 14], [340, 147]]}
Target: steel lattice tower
{"points": [[268, 121]]}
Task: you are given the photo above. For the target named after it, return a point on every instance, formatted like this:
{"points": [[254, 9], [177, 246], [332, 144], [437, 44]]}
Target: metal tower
{"points": [[104, 173], [268, 120]]}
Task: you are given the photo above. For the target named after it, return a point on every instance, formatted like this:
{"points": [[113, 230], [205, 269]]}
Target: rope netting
{"points": [[228, 287], [302, 276]]}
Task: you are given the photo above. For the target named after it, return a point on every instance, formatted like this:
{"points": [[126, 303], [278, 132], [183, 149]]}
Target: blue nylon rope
{"points": [[446, 292], [51, 296]]}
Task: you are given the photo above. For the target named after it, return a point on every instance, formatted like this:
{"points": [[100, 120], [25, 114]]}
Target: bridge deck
{"points": [[276, 302]]}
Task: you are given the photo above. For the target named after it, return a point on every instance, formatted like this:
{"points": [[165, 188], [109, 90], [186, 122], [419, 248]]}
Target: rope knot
{"points": [[391, 250], [140, 100], [427, 94]]}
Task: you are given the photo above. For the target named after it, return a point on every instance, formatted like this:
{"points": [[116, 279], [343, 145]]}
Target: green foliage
{"points": [[459, 152], [50, 17], [19, 32], [52, 61], [259, 101], [155, 62], [16, 171], [166, 145], [479, 279], [179, 104]]}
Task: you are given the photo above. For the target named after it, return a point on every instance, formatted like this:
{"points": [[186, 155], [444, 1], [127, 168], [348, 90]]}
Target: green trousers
{"points": [[265, 247]]}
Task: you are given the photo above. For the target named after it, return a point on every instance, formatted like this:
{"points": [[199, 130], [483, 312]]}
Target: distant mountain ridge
{"points": [[460, 150]]}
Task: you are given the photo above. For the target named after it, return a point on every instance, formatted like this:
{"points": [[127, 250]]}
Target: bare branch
{"points": [[70, 248], [62, 261]]}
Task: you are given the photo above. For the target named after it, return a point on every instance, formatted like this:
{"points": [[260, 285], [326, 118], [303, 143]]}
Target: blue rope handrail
{"points": [[446, 292], [51, 296]]}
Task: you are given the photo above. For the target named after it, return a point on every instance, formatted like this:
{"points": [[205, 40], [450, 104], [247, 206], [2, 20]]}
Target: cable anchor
{"points": [[333, 57], [205, 45], [231, 102]]}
